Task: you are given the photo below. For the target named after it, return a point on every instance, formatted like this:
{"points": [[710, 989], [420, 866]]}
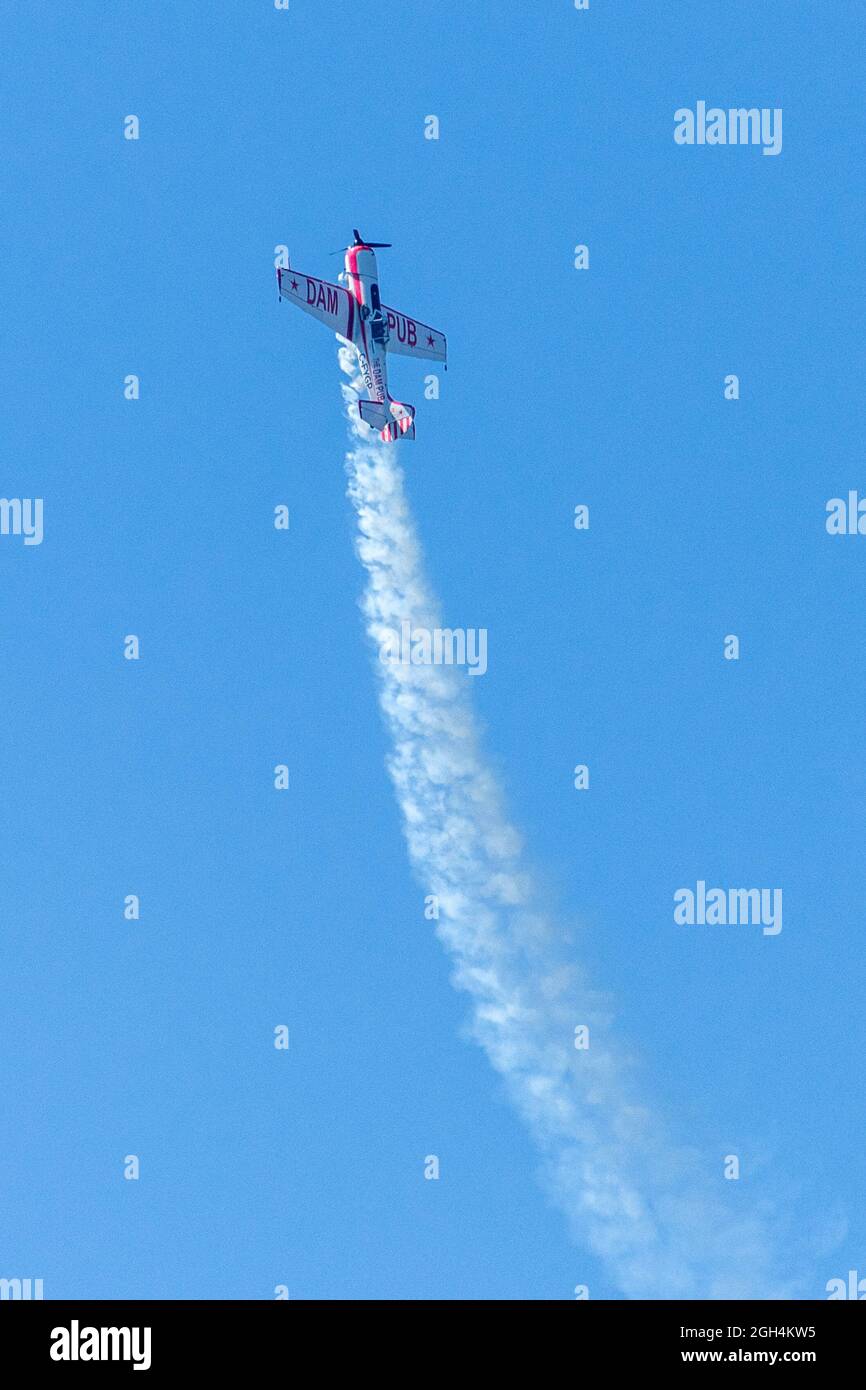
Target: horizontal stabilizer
{"points": [[392, 419], [374, 413]]}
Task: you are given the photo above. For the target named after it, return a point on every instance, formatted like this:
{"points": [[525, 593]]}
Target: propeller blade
{"points": [[359, 241]]}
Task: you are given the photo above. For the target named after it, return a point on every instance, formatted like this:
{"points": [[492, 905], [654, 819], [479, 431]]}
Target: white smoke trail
{"points": [[643, 1205]]}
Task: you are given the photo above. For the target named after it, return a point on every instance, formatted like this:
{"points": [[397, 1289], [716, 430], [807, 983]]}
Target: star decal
{"points": [[431, 341], [295, 286]]}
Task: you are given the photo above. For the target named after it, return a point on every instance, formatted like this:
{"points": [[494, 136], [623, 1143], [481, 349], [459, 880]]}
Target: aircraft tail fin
{"points": [[392, 419]]}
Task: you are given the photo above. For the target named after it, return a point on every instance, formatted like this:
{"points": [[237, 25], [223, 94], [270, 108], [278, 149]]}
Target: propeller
{"points": [[359, 241]]}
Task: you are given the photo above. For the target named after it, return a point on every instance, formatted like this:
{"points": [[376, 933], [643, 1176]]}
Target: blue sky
{"points": [[260, 128]]}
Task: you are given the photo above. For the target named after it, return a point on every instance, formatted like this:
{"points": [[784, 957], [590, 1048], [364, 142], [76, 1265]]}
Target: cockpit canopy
{"points": [[379, 326]]}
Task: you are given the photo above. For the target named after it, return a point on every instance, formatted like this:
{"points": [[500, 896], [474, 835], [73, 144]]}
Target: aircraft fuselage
{"points": [[362, 281]]}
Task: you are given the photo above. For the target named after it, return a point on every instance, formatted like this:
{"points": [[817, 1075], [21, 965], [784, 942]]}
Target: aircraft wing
{"points": [[330, 304], [412, 338]]}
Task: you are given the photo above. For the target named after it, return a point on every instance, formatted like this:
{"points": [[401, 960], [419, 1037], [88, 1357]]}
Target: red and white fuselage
{"points": [[371, 339]]}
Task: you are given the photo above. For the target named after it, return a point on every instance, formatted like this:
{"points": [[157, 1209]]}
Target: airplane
{"points": [[357, 314]]}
